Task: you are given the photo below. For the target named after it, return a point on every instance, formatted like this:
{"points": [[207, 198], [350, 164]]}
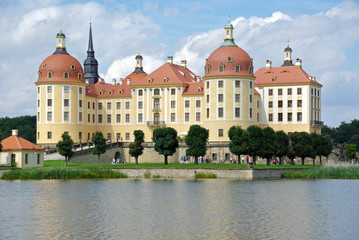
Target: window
{"points": [[118, 136], [108, 106], [80, 103], [237, 97], [270, 92], [280, 117], [220, 68], [140, 105], [108, 136], [220, 132], [79, 76], [157, 91], [99, 106], [220, 112], [88, 105], [250, 84], [299, 103], [38, 158], [80, 135], [173, 117], [207, 112], [88, 117], [72, 67], [198, 103], [93, 118], [220, 84], [207, 84], [140, 117], [289, 91], [100, 118], [207, 98], [66, 116], [290, 103], [118, 118], [26, 158], [93, 105], [173, 104], [49, 116], [118, 105], [280, 91], [49, 89], [49, 102], [173, 91], [270, 117], [127, 118], [237, 112], [289, 117], [250, 98], [156, 117], [66, 89], [299, 91], [66, 75], [229, 59], [127, 105], [299, 116], [127, 136], [198, 116], [186, 104], [80, 90], [49, 74], [66, 102], [237, 68], [280, 103], [156, 103], [250, 113], [220, 97], [270, 104], [237, 83], [140, 92], [80, 116], [38, 89], [311, 91], [49, 135], [108, 118], [186, 117]]}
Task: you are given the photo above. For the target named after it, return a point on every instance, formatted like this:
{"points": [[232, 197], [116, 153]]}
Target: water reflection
{"points": [[179, 209]]}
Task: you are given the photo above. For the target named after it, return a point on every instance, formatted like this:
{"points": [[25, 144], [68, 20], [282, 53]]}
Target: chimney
{"points": [[184, 63], [170, 60], [198, 79], [121, 81], [268, 64], [128, 81], [298, 63], [113, 81], [15, 132]]}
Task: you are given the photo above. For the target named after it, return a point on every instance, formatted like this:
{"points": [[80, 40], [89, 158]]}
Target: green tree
{"points": [[302, 145], [282, 145], [196, 141], [25, 124], [322, 146], [255, 141], [165, 141], [350, 151], [354, 140], [239, 141], [100, 145], [65, 147], [268, 149], [0, 143], [136, 148]]}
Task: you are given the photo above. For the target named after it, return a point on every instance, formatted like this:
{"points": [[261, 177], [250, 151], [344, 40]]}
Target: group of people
{"points": [[118, 161]]}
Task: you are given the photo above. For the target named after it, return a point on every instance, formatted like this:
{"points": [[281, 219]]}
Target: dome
{"points": [[230, 57], [61, 68]]}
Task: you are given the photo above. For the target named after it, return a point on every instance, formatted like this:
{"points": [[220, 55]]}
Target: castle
{"points": [[73, 99]]}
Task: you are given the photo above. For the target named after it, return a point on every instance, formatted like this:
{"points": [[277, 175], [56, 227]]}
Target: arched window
{"points": [[49, 74], [79, 75], [208, 69], [66, 75]]}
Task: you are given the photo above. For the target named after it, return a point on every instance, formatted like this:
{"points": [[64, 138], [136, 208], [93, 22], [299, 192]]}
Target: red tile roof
{"points": [[16, 143], [194, 88], [283, 75], [107, 90]]}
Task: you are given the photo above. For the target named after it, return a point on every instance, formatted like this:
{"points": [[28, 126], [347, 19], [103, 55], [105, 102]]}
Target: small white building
{"points": [[17, 150]]}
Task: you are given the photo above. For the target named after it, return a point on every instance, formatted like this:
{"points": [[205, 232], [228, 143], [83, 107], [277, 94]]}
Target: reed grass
{"points": [[205, 175], [62, 173], [341, 171]]}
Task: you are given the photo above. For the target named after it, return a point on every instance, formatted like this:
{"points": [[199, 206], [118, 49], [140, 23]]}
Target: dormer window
{"points": [[101, 92], [237, 68], [72, 67], [250, 69], [43, 66], [49, 74], [120, 92], [229, 59], [66, 75], [221, 68], [79, 75], [199, 89], [110, 92], [208, 69], [165, 80], [150, 80]]}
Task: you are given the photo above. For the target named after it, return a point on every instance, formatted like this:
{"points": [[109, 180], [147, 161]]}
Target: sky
{"points": [[323, 33]]}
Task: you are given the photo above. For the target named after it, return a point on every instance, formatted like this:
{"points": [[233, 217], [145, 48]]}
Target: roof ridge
{"points": [[17, 140]]}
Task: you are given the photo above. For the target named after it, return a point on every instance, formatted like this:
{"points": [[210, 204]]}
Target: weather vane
{"points": [[229, 17]]}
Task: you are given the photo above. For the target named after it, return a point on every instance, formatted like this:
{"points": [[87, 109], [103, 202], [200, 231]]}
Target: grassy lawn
{"points": [[60, 163]]}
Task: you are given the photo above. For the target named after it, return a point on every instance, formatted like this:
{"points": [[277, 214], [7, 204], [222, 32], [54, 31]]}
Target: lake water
{"points": [[179, 209]]}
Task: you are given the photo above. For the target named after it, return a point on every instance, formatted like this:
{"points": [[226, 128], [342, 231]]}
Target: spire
{"points": [[91, 65], [138, 68], [287, 56], [60, 46], [228, 39]]}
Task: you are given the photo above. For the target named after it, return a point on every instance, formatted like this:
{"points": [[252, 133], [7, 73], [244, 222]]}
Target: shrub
{"points": [[205, 175], [147, 174], [156, 176]]}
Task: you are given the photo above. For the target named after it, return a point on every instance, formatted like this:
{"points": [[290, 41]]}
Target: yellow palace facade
{"points": [[73, 99]]}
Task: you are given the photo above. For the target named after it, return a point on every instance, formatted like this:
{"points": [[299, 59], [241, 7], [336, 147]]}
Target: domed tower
{"points": [[228, 88], [60, 96], [287, 56]]}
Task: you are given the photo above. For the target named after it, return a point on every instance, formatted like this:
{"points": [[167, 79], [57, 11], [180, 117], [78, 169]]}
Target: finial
{"points": [[60, 27], [229, 17], [138, 51], [288, 41]]}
